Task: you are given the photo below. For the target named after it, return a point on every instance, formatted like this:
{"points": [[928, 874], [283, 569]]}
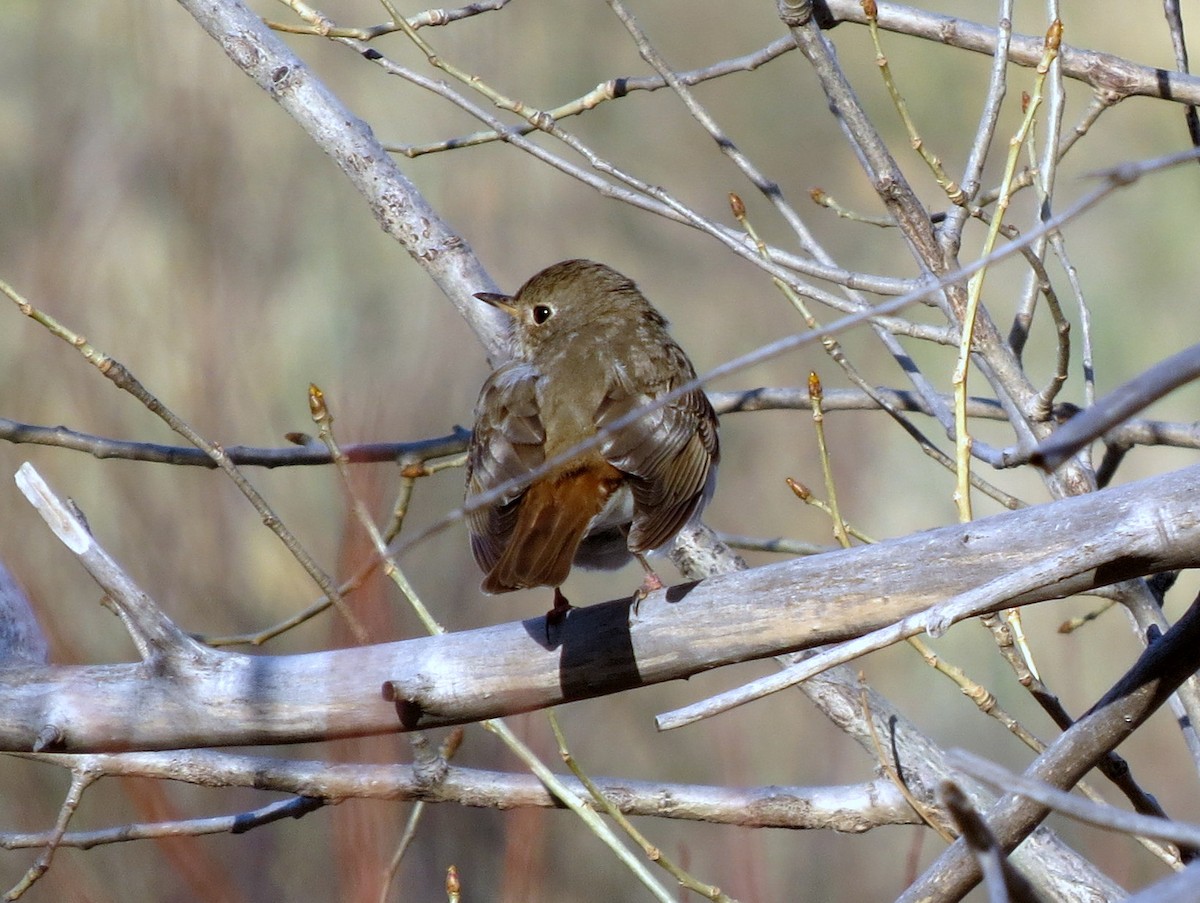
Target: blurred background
{"points": [[159, 203]]}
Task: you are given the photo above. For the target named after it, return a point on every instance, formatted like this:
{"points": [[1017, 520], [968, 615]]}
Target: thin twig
{"points": [[429, 17], [891, 769], [81, 778], [612, 89], [952, 189]]}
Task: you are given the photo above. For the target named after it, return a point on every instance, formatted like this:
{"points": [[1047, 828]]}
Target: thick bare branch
{"points": [[1152, 525]]}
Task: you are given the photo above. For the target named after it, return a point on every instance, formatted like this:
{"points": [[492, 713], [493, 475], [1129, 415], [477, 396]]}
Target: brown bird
{"points": [[587, 349]]}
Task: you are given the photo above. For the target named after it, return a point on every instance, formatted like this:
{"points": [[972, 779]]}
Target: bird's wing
{"points": [[507, 444], [670, 453]]}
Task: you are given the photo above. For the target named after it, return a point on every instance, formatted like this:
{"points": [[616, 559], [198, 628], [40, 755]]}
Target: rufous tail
{"points": [[554, 515]]}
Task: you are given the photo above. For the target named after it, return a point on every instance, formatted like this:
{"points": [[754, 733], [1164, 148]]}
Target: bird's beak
{"points": [[503, 302]]}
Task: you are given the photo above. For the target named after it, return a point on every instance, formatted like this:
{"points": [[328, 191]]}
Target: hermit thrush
{"points": [[587, 350]]}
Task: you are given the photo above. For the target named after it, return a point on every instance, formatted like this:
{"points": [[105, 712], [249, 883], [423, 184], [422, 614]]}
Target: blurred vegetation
{"points": [[156, 201]]}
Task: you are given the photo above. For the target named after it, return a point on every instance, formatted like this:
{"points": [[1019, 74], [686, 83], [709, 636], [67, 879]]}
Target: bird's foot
{"points": [[650, 583]]}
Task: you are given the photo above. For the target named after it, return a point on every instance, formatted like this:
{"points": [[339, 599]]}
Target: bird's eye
{"points": [[542, 313]]}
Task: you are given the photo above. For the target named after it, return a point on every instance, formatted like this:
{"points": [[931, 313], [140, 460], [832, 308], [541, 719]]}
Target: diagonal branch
{"points": [[158, 639], [1161, 668]]}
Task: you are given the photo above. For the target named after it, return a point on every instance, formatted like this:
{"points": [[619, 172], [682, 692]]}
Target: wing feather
{"points": [[507, 444], [670, 453]]}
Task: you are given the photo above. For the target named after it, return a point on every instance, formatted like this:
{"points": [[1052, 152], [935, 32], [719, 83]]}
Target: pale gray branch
{"points": [[852, 808], [986, 597], [227, 698], [1103, 71]]}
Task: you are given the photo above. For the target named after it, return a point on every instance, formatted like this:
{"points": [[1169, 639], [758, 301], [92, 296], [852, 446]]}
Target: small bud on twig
{"points": [[316, 404], [802, 492], [737, 205]]}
